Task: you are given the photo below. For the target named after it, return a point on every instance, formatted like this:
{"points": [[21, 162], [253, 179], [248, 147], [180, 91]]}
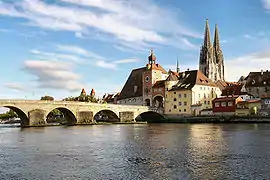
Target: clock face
{"points": [[147, 79]]}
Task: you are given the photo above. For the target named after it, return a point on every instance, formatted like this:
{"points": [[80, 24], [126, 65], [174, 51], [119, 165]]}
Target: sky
{"points": [[58, 47]]}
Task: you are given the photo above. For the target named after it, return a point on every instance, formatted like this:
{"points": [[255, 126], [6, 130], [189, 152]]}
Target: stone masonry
{"points": [[34, 112]]}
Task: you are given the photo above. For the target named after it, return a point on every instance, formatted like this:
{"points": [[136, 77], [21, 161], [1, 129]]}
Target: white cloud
{"points": [[123, 61], [241, 66], [15, 86], [248, 36], [78, 50], [106, 65], [57, 56], [53, 74], [134, 22], [266, 4]]}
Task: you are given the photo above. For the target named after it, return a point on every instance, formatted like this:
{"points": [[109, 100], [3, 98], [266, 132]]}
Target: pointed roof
{"points": [[92, 92], [216, 38], [152, 56], [207, 39], [83, 92]]}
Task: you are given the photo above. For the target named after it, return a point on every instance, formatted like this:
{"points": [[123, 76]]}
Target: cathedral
{"points": [[211, 57]]}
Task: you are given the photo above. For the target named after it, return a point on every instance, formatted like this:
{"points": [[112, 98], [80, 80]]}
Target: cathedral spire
{"points": [[177, 66], [207, 39], [216, 38]]}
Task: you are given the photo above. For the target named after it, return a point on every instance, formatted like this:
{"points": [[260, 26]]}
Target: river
{"points": [[136, 151]]}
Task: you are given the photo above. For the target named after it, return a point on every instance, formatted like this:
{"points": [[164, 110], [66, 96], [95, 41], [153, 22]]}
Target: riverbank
{"points": [[217, 119]]}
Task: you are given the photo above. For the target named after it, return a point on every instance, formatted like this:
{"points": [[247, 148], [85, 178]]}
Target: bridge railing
{"points": [[8, 101]]}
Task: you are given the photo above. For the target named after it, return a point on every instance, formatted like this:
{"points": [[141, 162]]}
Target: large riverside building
{"points": [[211, 62], [145, 86]]}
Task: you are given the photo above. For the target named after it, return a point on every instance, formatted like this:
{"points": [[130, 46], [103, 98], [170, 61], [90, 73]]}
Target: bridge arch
{"points": [[67, 115], [106, 115], [21, 114], [150, 116]]}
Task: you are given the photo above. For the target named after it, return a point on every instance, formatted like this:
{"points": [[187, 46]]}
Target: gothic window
{"points": [[174, 99], [174, 106]]}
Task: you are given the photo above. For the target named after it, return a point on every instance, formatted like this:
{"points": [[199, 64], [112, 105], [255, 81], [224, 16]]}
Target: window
{"points": [[185, 95], [174, 92], [179, 110], [180, 103], [174, 99], [174, 106], [230, 103], [179, 95], [159, 89], [217, 104], [223, 104], [204, 95], [185, 103], [185, 110], [204, 102], [201, 88], [166, 96], [208, 102]]}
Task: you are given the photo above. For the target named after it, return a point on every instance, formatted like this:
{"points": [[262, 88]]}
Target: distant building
{"points": [[111, 98], [249, 107], [211, 62], [265, 104], [188, 89], [225, 105], [258, 84]]}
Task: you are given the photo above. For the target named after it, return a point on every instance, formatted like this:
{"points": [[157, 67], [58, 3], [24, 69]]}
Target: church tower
{"points": [[218, 57], [211, 57]]}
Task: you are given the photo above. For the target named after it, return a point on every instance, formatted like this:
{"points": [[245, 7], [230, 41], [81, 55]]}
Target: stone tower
{"points": [[211, 57]]}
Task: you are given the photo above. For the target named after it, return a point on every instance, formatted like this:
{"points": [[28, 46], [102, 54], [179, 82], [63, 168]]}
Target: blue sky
{"points": [[57, 47]]}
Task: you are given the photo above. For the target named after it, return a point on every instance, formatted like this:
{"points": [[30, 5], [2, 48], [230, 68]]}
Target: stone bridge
{"points": [[35, 112]]}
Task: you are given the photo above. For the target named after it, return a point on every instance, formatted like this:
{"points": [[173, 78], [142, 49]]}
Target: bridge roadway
{"points": [[35, 112]]}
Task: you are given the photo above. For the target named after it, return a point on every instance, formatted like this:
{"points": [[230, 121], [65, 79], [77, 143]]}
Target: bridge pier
{"points": [[37, 117], [126, 116], [85, 117]]}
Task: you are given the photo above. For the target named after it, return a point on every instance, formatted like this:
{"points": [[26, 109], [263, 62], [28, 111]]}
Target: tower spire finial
{"points": [[216, 38], [207, 39], [177, 66]]}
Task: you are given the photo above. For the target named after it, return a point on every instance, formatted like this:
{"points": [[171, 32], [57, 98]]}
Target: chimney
{"points": [[262, 72]]}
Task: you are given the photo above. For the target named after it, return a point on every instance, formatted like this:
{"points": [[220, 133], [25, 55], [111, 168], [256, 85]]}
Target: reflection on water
{"points": [[153, 151]]}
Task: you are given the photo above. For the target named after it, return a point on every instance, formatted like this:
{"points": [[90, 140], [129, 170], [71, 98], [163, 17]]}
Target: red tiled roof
{"points": [[232, 89]]}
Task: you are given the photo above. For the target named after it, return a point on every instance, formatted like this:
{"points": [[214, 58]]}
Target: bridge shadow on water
{"points": [[150, 117]]}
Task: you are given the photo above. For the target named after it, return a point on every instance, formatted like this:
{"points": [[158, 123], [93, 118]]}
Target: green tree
{"points": [[8, 114], [47, 98]]}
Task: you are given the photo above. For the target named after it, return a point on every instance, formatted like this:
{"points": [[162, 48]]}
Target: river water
{"points": [[142, 151]]}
